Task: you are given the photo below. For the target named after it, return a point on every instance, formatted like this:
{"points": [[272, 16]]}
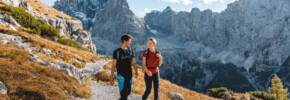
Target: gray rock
{"points": [[2, 22], [26, 5], [46, 51], [75, 60], [176, 96], [226, 96], [3, 88], [14, 3], [85, 12], [59, 16], [35, 59], [106, 21], [70, 28], [12, 27], [9, 19], [33, 55], [65, 65], [8, 38]]}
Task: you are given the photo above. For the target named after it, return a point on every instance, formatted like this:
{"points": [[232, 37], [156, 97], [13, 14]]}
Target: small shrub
{"points": [[218, 92], [71, 43], [261, 95], [74, 18], [109, 57], [102, 76], [78, 65]]}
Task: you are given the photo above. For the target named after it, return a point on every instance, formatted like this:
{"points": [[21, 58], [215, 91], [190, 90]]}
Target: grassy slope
{"points": [[30, 80], [47, 10]]}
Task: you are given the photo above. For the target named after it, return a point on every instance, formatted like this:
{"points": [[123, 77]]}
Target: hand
{"points": [[158, 55], [112, 80], [136, 75], [148, 72], [157, 69]]}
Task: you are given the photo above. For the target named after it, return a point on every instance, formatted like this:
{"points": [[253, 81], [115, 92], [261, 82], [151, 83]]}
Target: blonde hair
{"points": [[153, 40]]}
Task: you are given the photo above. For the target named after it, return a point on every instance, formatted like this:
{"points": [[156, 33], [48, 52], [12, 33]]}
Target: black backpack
{"points": [[118, 53]]}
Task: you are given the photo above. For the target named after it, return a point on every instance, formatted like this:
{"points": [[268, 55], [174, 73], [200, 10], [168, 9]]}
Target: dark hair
{"points": [[126, 37]]}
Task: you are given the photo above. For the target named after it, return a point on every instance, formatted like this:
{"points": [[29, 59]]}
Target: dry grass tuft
{"points": [[59, 52], [30, 80], [45, 9], [102, 76]]}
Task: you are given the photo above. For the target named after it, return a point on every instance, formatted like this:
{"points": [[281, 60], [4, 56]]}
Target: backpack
{"points": [[118, 53], [147, 53]]}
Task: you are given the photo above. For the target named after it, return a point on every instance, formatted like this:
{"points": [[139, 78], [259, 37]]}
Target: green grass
{"points": [[26, 20], [218, 92], [37, 26], [74, 18], [71, 43], [262, 95]]}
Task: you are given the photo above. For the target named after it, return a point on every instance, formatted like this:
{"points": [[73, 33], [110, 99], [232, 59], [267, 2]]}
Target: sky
{"points": [[141, 7]]}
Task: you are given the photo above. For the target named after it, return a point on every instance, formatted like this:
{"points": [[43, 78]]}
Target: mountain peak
{"points": [[168, 8], [119, 4]]}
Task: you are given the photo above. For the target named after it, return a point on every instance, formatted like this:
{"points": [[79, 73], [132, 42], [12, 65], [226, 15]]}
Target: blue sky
{"points": [[141, 7]]}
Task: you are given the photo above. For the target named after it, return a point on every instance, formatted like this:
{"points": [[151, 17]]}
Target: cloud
{"points": [[189, 10], [148, 10], [185, 2], [212, 1], [199, 5]]}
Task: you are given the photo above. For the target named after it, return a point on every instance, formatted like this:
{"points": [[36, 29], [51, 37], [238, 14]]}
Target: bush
{"points": [[218, 92], [261, 95], [26, 20], [109, 57], [103, 76], [78, 64], [71, 43], [74, 18]]}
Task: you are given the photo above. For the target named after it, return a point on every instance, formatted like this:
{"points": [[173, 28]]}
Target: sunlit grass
{"points": [[30, 80]]}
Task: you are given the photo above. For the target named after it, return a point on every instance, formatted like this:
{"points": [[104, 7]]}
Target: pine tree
{"points": [[277, 89]]}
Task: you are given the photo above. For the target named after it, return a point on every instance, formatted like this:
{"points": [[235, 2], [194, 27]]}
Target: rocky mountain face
{"points": [[252, 36], [108, 20], [84, 10], [240, 48], [72, 29]]}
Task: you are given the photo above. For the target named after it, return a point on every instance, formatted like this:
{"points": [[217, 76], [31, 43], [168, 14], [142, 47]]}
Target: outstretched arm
{"points": [[112, 71], [135, 67]]}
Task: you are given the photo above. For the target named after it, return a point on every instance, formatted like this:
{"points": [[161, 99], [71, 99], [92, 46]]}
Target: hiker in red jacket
{"points": [[151, 60]]}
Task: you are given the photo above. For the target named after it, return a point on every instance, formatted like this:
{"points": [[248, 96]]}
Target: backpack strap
{"points": [[131, 53], [118, 54], [147, 54]]}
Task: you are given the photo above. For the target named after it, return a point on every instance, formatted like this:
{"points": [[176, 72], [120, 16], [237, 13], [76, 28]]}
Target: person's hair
{"points": [[126, 37], [153, 40]]}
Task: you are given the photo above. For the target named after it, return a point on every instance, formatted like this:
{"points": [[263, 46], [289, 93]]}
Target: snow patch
{"points": [[152, 30]]}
